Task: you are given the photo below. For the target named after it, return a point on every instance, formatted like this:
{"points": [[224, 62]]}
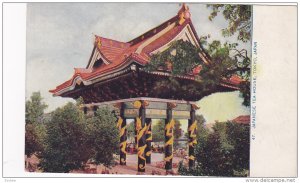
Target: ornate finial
{"points": [[145, 103], [171, 105], [98, 41], [118, 105], [195, 107], [183, 14]]}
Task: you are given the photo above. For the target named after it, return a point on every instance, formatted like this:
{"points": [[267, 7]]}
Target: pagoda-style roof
{"points": [[112, 60]]}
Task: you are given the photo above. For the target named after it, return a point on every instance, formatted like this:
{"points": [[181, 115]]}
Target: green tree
{"points": [[34, 128], [201, 132], [177, 133], [182, 55], [229, 61], [239, 21], [226, 61], [32, 143], [238, 17], [131, 130], [239, 137], [211, 158], [223, 152], [158, 131], [222, 130], [103, 136], [34, 108], [214, 159], [66, 146]]}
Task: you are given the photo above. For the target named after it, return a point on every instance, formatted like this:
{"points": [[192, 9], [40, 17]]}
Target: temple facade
{"points": [[115, 75]]}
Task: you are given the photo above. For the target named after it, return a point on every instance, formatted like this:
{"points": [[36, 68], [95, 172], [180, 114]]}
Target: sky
{"points": [[60, 38]]}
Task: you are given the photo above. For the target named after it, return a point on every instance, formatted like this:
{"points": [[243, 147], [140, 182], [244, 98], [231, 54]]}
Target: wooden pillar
{"points": [[148, 140], [141, 140], [123, 135], [169, 138], [192, 127], [135, 134]]}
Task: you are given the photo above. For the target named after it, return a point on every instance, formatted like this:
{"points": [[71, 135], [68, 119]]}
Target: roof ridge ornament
{"points": [[98, 41], [183, 14]]}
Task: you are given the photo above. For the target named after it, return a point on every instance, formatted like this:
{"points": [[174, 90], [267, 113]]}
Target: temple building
{"points": [[115, 75]]}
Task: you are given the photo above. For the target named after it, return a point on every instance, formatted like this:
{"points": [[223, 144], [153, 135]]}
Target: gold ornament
{"points": [[169, 158], [191, 157], [170, 141], [123, 160], [168, 128], [123, 147], [137, 104], [138, 124], [181, 18], [141, 166], [141, 151], [119, 123], [193, 135], [148, 153]]}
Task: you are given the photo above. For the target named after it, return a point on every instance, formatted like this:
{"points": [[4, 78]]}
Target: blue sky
{"points": [[60, 37]]}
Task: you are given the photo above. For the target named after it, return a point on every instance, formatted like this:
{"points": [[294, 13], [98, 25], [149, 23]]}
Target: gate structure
{"points": [[115, 75]]}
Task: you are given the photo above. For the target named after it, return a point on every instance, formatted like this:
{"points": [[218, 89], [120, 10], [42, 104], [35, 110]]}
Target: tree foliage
{"points": [[32, 143], [66, 145], [227, 59], [179, 59], [238, 17], [103, 136], [224, 152], [201, 130], [182, 57], [158, 131], [34, 127], [34, 108], [239, 137], [239, 21], [72, 138], [131, 130], [177, 133]]}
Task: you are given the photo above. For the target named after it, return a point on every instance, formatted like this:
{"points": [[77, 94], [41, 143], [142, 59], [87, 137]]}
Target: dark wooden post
{"points": [[135, 134], [192, 127], [141, 140], [123, 135], [148, 140], [169, 138]]}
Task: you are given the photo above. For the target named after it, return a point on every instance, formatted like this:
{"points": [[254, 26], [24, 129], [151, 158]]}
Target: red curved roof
{"points": [[119, 53], [242, 119]]}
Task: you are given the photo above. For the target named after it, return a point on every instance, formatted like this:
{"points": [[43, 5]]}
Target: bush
{"points": [[224, 152], [65, 142], [103, 136]]}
